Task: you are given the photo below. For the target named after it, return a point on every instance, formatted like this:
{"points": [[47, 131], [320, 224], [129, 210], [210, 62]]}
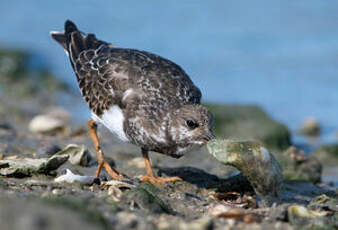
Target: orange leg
{"points": [[150, 177], [102, 163]]}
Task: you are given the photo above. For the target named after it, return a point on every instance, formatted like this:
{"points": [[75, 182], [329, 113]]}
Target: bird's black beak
{"points": [[209, 136]]}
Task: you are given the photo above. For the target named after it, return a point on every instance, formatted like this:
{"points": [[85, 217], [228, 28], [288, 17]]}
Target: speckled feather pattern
{"points": [[106, 73], [147, 88]]}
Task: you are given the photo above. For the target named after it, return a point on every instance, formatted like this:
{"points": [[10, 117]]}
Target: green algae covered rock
{"points": [[297, 165], [28, 166], [249, 122], [255, 162]]}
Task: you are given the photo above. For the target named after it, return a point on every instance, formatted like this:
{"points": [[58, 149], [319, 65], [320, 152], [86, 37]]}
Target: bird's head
{"points": [[191, 125]]}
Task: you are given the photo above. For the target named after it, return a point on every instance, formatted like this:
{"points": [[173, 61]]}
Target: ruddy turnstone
{"points": [[139, 96]]}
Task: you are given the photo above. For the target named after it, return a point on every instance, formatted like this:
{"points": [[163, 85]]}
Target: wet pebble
{"points": [[46, 124], [57, 192]]}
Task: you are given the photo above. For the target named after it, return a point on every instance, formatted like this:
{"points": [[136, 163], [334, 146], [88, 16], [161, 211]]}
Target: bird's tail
{"points": [[74, 41]]}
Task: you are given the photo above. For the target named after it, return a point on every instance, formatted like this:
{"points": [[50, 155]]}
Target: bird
{"points": [[141, 97]]}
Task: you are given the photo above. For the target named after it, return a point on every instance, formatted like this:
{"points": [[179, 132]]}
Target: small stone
{"points": [[46, 124], [57, 192], [311, 127]]}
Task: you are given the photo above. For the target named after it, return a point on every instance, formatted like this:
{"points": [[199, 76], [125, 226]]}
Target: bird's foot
{"points": [[111, 171], [159, 181]]}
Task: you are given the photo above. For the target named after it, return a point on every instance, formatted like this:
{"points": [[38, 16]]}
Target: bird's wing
{"points": [[106, 74], [102, 78]]}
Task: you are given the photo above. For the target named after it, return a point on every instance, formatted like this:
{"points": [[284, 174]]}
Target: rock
{"points": [[310, 127], [78, 155], [70, 177], [297, 165], [303, 217], [47, 124], [324, 202], [255, 162], [146, 197], [22, 167], [328, 154], [249, 122]]}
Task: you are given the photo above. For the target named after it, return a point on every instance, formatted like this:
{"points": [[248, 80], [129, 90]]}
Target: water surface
{"points": [[282, 55]]}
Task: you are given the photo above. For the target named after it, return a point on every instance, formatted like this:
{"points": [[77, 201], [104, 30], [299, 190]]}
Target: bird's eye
{"points": [[191, 124]]}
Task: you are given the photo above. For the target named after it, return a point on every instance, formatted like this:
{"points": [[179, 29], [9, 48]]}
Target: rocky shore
{"points": [[47, 160]]}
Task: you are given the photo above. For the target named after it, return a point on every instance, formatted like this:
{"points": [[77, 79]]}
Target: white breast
{"points": [[113, 120]]}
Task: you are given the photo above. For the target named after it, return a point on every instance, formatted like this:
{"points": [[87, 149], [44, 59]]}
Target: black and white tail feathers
{"points": [[74, 41]]}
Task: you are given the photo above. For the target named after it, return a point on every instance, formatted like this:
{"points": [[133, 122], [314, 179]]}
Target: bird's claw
{"points": [[111, 171], [159, 181]]}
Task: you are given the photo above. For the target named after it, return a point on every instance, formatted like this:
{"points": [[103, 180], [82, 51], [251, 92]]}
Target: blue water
{"points": [[282, 55]]}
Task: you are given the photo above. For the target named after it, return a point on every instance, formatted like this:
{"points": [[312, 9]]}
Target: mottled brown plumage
{"points": [[143, 98]]}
